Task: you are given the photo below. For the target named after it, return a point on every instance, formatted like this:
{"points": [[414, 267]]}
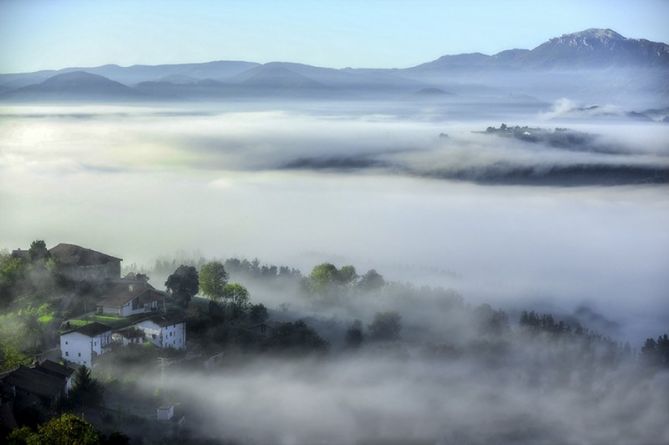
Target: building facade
{"points": [[81, 264], [164, 331], [83, 345]]}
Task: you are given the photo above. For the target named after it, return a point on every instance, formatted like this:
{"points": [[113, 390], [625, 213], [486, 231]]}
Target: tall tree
{"points": [[237, 295], [322, 276], [183, 284], [347, 274], [354, 335], [86, 391], [213, 279], [386, 326], [258, 313], [38, 251], [372, 280]]}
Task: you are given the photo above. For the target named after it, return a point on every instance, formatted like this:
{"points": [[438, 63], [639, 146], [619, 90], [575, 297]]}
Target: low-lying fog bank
{"points": [[401, 398], [339, 184]]}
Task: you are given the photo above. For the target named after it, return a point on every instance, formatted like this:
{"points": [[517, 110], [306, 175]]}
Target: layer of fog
{"points": [[394, 398], [140, 183]]}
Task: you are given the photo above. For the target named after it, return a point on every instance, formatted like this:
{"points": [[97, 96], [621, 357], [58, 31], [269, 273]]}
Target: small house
{"points": [[165, 330], [57, 370], [83, 345], [130, 298], [33, 387]]}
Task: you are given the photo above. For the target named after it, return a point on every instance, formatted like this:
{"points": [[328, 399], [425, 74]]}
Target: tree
{"points": [[67, 429], [322, 276], [237, 295], [12, 271], [258, 313], [656, 352], [386, 326], [295, 337], [347, 275], [372, 280], [354, 335], [213, 279], [38, 251], [86, 391], [183, 284]]}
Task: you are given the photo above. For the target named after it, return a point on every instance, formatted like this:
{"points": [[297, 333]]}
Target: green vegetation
{"points": [[86, 391], [386, 326], [327, 279], [213, 279], [183, 284], [67, 429]]}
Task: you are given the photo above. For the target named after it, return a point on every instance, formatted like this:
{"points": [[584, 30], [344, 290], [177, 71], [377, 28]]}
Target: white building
{"points": [[165, 412], [84, 344], [165, 330]]}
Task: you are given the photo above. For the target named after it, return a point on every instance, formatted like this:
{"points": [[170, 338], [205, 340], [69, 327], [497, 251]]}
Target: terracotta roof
{"points": [[72, 255], [91, 329], [55, 369], [36, 382]]}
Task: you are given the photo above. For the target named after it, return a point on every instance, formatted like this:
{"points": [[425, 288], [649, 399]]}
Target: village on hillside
{"points": [[100, 322], [128, 310], [84, 340]]}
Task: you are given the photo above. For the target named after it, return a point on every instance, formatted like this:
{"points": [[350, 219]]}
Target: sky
{"points": [[41, 34]]}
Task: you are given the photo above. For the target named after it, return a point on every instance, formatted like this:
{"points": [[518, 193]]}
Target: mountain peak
{"points": [[589, 38], [597, 33]]}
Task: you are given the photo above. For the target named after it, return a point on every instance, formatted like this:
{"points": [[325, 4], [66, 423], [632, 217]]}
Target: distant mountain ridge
{"points": [[75, 84], [593, 49]]}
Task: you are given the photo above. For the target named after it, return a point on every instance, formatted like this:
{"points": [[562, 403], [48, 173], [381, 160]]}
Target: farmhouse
{"points": [[130, 297], [57, 370], [165, 330], [84, 344], [33, 387], [81, 264]]}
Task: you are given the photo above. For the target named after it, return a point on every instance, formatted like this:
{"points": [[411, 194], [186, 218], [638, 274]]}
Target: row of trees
{"points": [[656, 352], [386, 326], [326, 278], [211, 281]]}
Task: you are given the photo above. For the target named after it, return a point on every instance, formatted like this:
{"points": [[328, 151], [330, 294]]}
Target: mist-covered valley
{"points": [[419, 198], [469, 250]]}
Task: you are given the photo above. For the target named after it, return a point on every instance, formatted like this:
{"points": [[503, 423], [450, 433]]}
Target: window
{"points": [[80, 354], [66, 342], [67, 354]]}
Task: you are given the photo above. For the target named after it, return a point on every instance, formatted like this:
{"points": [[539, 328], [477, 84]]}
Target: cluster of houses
{"points": [[130, 297], [140, 316]]}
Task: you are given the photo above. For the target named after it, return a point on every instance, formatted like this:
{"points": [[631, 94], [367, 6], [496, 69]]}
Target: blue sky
{"points": [[42, 34]]}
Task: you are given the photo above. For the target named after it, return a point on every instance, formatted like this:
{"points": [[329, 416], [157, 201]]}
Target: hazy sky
{"points": [[40, 34]]}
